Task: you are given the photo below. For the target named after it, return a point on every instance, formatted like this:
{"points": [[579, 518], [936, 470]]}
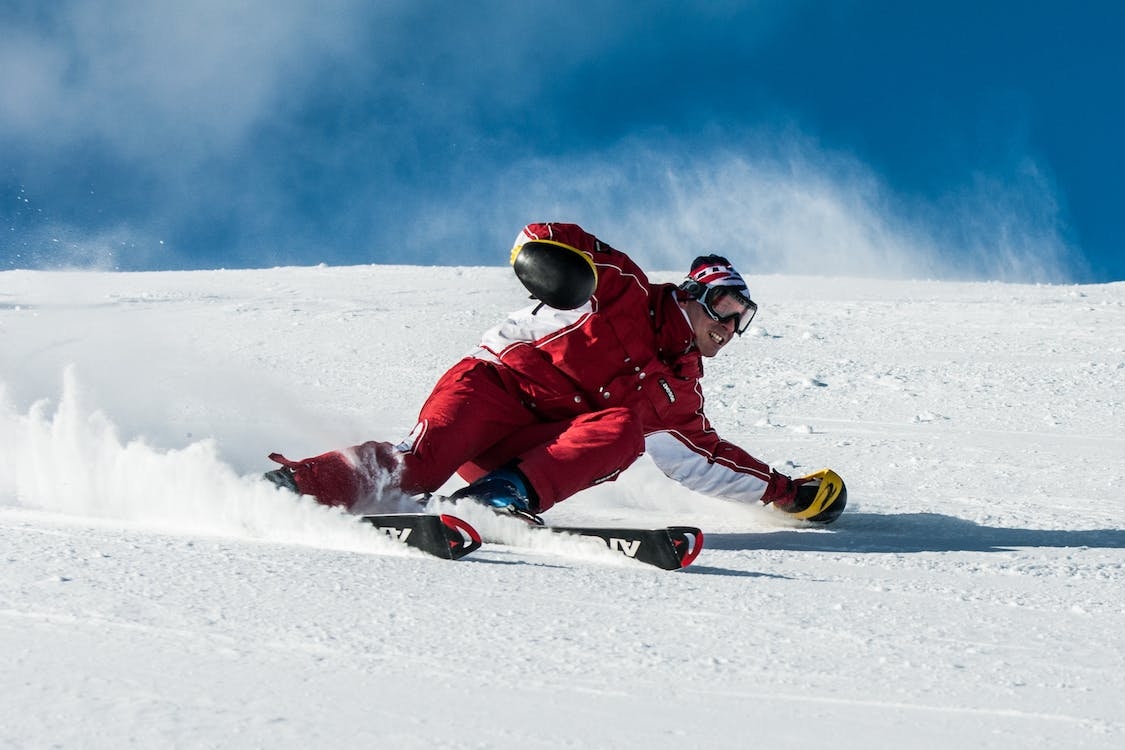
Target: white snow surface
{"points": [[154, 592]]}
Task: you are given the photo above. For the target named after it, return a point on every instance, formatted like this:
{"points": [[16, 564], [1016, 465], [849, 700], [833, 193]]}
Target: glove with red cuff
{"points": [[790, 495]]}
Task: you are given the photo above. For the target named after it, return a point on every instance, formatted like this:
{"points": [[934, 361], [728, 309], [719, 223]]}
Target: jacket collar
{"points": [[675, 339]]}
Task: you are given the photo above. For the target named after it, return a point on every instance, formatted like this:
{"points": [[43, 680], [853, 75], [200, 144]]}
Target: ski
{"points": [[438, 534], [668, 548], [450, 537]]}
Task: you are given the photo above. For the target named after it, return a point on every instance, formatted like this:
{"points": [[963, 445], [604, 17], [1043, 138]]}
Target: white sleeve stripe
{"points": [[625, 275], [690, 466]]}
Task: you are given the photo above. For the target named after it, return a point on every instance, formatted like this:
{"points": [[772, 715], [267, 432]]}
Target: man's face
{"points": [[710, 334]]}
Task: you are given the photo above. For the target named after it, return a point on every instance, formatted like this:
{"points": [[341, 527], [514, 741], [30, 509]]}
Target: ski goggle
{"points": [[724, 303]]}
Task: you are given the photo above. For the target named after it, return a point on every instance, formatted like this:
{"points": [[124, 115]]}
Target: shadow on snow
{"points": [[915, 532]]}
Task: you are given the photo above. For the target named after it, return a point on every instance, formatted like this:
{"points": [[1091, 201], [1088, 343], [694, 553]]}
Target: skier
{"points": [[567, 393]]}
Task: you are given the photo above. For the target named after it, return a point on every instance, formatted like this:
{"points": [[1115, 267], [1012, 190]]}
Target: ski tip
{"points": [[687, 541], [460, 535]]}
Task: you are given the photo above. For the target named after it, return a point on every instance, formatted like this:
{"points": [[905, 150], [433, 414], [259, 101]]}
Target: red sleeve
{"points": [[568, 234]]}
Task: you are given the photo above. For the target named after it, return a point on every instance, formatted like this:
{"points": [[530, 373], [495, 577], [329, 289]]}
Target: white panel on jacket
{"points": [[695, 472]]}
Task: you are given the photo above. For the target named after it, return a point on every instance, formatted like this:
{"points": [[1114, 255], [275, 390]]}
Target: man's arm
{"points": [[690, 451], [724, 471]]}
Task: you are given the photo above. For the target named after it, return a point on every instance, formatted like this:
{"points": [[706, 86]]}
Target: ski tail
{"points": [[439, 534]]}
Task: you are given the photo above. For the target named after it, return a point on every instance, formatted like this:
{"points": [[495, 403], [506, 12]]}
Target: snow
{"points": [[155, 593]]}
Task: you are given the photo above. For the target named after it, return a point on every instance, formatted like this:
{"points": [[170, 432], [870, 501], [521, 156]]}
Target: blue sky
{"points": [[959, 140]]}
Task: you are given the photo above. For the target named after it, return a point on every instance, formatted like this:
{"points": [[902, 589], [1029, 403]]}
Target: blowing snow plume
{"points": [[67, 458], [782, 204]]}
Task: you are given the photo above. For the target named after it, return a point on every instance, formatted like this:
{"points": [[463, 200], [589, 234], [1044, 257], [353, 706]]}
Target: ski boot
{"points": [[503, 490], [283, 478]]}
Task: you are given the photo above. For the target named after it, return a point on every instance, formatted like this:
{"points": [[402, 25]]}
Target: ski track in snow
{"points": [[155, 593]]}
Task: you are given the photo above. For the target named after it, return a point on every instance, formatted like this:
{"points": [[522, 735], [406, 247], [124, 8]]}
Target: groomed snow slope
{"points": [[153, 593]]}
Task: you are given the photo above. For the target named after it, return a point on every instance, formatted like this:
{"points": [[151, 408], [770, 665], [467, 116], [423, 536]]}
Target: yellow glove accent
{"points": [[830, 487]]}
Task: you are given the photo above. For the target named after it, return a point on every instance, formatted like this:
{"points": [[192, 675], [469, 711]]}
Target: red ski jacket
{"points": [[630, 346]]}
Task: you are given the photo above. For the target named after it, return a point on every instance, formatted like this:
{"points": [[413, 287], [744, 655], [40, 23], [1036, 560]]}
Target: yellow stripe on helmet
{"points": [[584, 256]]}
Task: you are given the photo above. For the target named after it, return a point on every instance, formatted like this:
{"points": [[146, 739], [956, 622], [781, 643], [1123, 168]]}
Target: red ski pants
{"points": [[473, 422]]}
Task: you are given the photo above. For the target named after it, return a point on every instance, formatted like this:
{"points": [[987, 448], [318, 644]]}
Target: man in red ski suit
{"points": [[554, 401]]}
